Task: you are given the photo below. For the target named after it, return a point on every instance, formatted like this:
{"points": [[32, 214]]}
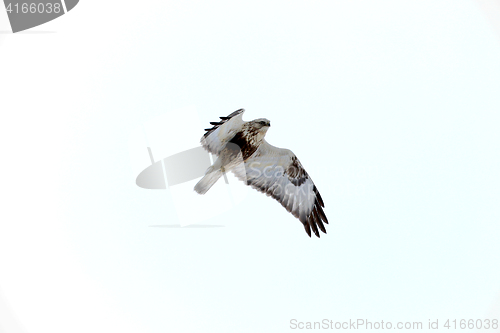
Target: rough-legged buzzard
{"points": [[242, 149]]}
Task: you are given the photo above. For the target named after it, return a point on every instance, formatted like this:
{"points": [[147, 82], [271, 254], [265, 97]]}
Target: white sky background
{"points": [[392, 107]]}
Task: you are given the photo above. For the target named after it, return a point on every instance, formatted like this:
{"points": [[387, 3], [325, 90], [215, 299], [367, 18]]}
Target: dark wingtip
{"points": [[317, 219], [314, 228], [308, 229], [322, 214], [318, 196]]}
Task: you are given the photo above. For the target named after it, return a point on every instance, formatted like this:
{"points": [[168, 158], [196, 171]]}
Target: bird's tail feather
{"points": [[208, 180]]}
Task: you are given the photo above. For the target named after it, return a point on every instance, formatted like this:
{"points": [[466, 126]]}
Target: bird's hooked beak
{"points": [[268, 124]]}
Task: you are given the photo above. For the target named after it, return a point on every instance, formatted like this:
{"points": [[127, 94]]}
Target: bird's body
{"points": [[242, 149]]}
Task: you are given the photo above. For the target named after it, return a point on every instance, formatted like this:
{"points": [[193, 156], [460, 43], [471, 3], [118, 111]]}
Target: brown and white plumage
{"points": [[242, 149]]}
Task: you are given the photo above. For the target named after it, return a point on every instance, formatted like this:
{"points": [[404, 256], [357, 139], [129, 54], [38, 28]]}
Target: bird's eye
{"points": [[262, 123]]}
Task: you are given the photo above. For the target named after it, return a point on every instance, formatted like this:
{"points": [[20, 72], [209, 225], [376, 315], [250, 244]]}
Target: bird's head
{"points": [[261, 124], [260, 127]]}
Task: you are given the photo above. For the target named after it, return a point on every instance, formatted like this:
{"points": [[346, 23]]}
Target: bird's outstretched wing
{"points": [[278, 173], [216, 138]]}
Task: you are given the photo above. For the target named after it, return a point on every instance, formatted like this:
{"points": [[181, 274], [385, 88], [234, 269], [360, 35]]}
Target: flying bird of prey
{"points": [[242, 149]]}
